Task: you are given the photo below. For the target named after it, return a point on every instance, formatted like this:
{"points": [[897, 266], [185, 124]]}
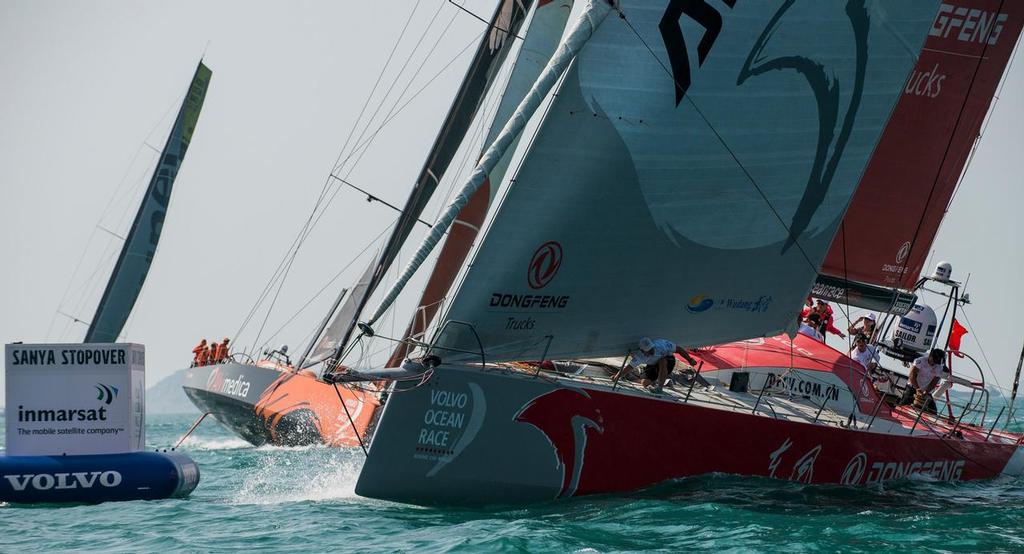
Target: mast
{"points": [[1016, 383], [136, 255], [493, 47]]}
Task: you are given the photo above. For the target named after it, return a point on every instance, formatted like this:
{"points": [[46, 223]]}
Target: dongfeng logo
{"points": [[107, 393], [854, 471], [903, 253], [544, 265]]}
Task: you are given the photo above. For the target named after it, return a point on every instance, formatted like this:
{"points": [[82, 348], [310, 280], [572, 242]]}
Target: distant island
{"points": [[167, 396]]}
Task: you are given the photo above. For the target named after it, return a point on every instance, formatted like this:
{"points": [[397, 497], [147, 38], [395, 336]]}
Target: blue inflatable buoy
{"points": [[97, 478]]}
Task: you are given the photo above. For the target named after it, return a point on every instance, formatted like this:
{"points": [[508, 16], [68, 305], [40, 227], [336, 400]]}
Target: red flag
{"points": [[955, 335]]}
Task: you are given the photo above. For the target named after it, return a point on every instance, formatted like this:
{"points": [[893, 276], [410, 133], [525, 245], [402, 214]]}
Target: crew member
{"points": [[826, 315], [864, 353], [867, 327], [809, 327], [222, 351], [199, 354], [925, 375], [657, 357]]}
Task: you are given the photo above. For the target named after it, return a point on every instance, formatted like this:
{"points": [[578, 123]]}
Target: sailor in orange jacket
{"points": [[199, 354], [220, 352], [205, 354]]}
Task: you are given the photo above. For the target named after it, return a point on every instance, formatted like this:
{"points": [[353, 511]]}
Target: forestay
{"points": [[480, 76], [133, 263], [892, 221], [689, 177]]}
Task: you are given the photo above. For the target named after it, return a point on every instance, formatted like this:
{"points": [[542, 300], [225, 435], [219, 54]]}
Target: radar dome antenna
{"points": [[943, 272]]}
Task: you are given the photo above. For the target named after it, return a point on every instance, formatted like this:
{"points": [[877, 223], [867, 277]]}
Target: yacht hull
{"points": [[474, 437], [267, 404]]}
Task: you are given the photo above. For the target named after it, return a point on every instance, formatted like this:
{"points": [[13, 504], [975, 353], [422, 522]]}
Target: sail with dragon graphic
{"points": [[653, 201]]}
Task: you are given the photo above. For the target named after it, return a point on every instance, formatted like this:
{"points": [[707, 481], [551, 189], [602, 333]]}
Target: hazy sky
{"points": [[86, 84]]}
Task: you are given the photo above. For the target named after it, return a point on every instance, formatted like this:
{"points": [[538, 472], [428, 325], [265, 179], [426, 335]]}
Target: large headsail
{"points": [[492, 50], [895, 213], [542, 37], [690, 197], [133, 263]]}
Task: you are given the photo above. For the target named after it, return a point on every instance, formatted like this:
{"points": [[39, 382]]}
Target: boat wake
{"points": [[208, 443], [300, 474]]}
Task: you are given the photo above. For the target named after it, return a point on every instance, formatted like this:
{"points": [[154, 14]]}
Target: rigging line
{"points": [[387, 121], [980, 347], [394, 82], [415, 95], [330, 200], [721, 140], [484, 21], [370, 197], [326, 286], [307, 227], [945, 154], [376, 83], [988, 117], [405, 89]]}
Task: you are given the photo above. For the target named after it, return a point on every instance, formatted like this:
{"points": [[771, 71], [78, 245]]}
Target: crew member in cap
{"points": [[657, 357], [867, 327]]}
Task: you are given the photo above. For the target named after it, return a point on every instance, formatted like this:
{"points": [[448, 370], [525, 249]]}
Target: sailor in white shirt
{"points": [[657, 358], [864, 353], [925, 375]]}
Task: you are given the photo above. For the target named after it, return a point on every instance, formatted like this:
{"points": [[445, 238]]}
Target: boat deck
{"points": [[775, 402]]}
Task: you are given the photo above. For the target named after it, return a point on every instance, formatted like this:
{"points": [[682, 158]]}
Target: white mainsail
{"points": [[689, 176]]}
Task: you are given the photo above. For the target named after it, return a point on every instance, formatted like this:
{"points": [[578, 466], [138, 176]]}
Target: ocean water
{"points": [[281, 499]]}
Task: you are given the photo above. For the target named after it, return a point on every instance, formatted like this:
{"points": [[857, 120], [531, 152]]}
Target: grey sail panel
{"points": [[493, 48], [136, 255], [693, 195]]}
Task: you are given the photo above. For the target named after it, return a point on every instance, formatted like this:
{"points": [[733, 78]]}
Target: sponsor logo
{"points": [[501, 300], [544, 265], [903, 253], [968, 24], [702, 303], [109, 356], [803, 468], [30, 415], [699, 303], [61, 481], [799, 386], [927, 84], [235, 387], [238, 386], [775, 458], [568, 420], [854, 471], [451, 422], [107, 393], [859, 472], [910, 325]]}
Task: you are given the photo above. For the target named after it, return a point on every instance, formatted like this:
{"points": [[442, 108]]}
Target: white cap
{"points": [[871, 316], [646, 344]]}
